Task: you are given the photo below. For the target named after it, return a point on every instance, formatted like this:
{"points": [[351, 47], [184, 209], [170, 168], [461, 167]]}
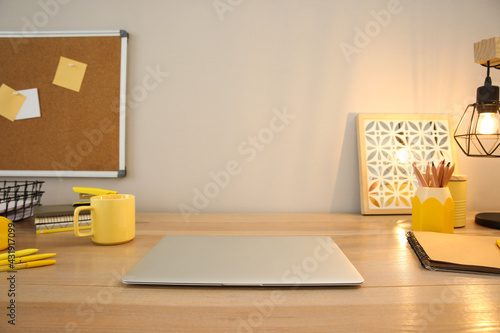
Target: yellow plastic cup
{"points": [[433, 209], [458, 190]]}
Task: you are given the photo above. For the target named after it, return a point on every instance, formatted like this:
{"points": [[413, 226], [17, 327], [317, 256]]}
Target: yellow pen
{"points": [[29, 264], [19, 253], [27, 258], [498, 243]]}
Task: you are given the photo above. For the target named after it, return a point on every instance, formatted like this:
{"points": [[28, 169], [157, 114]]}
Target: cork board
{"points": [[79, 134]]}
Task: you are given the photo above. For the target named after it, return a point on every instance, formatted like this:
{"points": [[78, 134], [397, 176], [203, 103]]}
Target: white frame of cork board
{"points": [[120, 170]]}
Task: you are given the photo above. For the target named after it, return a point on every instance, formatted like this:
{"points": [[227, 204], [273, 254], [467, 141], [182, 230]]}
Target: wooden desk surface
{"points": [[83, 292]]}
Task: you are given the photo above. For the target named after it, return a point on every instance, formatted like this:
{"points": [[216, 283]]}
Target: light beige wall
{"points": [[292, 74]]}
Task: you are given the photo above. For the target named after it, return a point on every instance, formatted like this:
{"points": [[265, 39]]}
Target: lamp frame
{"points": [[486, 53], [471, 136]]}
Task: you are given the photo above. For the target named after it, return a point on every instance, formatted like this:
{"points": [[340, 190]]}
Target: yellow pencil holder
{"points": [[433, 209]]}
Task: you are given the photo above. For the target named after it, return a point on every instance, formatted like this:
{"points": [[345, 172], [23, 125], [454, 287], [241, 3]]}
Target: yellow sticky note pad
{"points": [[11, 102], [69, 74]]}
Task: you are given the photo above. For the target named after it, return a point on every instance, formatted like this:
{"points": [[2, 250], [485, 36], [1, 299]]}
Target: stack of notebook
{"points": [[58, 218], [456, 252]]}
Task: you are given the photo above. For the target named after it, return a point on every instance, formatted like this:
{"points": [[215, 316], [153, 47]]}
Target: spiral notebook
{"points": [[456, 252]]}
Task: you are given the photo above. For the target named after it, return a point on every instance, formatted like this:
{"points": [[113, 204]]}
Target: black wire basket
{"points": [[17, 198]]}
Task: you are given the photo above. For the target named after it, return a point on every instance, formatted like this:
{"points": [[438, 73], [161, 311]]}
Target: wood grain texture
{"points": [[83, 292], [487, 50]]}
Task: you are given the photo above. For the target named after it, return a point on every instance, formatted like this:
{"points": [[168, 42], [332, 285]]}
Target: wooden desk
{"points": [[83, 291]]}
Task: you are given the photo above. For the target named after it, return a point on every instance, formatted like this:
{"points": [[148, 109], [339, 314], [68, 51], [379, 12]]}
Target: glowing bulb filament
{"points": [[487, 123]]}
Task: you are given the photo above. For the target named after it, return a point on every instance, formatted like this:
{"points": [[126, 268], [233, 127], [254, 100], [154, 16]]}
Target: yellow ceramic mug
{"points": [[112, 219]]}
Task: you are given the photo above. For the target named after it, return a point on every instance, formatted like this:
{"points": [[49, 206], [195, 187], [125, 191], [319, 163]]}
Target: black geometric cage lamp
{"points": [[478, 132]]}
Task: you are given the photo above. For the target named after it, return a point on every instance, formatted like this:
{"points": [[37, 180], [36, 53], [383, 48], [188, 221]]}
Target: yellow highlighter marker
{"points": [[29, 264], [498, 242], [27, 258], [19, 253]]}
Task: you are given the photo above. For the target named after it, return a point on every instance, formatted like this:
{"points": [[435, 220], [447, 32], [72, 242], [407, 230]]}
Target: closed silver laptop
{"points": [[245, 261]]}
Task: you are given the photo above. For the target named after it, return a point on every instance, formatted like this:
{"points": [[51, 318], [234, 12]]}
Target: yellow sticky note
{"points": [[11, 102], [69, 74]]}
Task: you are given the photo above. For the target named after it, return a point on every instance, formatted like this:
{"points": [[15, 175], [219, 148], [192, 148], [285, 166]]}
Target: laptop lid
{"points": [[245, 261]]}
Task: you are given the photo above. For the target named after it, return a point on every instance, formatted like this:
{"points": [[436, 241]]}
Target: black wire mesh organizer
{"points": [[17, 198]]}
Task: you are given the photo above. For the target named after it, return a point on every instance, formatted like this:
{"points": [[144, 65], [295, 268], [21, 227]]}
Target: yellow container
{"points": [[433, 209], [112, 219], [4, 231], [458, 190]]}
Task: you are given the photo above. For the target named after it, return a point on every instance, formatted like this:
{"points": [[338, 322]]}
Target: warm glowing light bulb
{"points": [[487, 123], [402, 155]]}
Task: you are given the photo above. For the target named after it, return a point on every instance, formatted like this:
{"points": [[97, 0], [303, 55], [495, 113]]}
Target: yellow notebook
{"points": [[455, 252]]}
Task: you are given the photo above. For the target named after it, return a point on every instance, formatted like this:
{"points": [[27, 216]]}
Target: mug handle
{"points": [[76, 224]]}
